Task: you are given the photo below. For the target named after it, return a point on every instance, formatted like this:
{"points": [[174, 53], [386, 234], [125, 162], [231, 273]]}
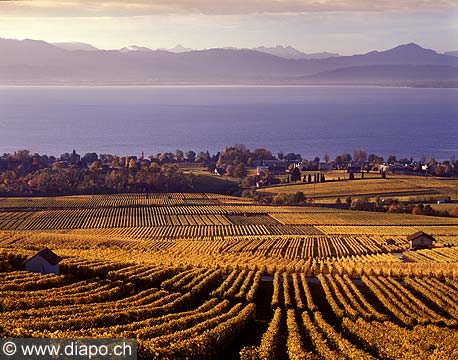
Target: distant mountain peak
{"points": [[75, 46], [289, 52], [411, 47], [178, 49], [134, 48]]}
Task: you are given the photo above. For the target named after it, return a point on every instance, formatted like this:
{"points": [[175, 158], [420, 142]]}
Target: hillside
{"points": [[37, 62], [205, 276]]}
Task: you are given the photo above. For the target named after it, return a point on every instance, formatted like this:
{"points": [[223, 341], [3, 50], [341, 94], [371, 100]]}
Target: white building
{"points": [[44, 262], [262, 170]]}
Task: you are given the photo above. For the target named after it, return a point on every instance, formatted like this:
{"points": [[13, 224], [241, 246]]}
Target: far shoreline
{"points": [[174, 86]]}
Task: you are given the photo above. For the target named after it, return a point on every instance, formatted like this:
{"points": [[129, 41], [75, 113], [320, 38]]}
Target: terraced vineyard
{"points": [[172, 309], [213, 277]]}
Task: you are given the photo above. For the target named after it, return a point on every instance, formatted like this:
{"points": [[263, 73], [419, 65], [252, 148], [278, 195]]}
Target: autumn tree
{"points": [[295, 174]]}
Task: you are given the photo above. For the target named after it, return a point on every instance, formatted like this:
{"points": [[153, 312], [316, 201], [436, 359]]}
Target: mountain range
{"points": [[288, 52], [35, 62]]}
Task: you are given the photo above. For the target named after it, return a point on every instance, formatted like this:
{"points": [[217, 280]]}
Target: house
{"points": [[262, 170], [220, 171], [277, 169], [44, 261], [420, 240], [325, 166]]}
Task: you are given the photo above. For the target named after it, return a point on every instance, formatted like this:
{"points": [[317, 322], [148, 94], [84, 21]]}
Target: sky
{"points": [[343, 26]]}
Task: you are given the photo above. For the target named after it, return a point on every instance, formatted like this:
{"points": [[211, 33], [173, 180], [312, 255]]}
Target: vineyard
{"points": [[200, 276], [371, 187], [399, 186], [312, 314]]}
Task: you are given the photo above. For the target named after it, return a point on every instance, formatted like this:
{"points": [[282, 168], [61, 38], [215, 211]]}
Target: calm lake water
{"points": [[306, 120]]}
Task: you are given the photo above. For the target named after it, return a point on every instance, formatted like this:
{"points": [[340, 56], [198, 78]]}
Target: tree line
{"points": [[26, 173]]}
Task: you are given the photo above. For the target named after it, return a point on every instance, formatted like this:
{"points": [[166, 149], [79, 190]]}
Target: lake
{"points": [[306, 120]]}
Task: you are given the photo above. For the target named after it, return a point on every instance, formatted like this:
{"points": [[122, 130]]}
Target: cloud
{"points": [[97, 8]]}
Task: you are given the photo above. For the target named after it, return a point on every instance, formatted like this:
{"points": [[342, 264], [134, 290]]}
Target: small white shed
{"points": [[44, 261], [420, 240]]}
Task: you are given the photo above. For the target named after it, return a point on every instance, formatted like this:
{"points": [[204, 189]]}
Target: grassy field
{"points": [[394, 186], [208, 276], [450, 208]]}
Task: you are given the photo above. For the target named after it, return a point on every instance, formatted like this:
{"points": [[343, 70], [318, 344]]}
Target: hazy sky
{"points": [[344, 26]]}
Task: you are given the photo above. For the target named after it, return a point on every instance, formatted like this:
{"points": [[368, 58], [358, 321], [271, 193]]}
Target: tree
{"points": [[190, 156], [361, 204], [262, 154], [432, 161], [295, 174], [179, 155], [439, 170], [89, 158], [132, 164], [248, 182], [220, 161], [356, 155], [346, 157], [247, 193], [423, 159], [417, 210], [293, 157], [240, 171], [230, 170], [326, 158], [280, 199], [298, 198], [391, 159], [155, 168]]}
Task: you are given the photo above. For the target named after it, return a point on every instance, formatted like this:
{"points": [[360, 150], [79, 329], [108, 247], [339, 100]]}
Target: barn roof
{"points": [[419, 234], [48, 255]]}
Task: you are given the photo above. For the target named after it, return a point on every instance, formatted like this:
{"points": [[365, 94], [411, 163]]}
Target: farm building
{"points": [[262, 170], [44, 261], [420, 240], [220, 171]]}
